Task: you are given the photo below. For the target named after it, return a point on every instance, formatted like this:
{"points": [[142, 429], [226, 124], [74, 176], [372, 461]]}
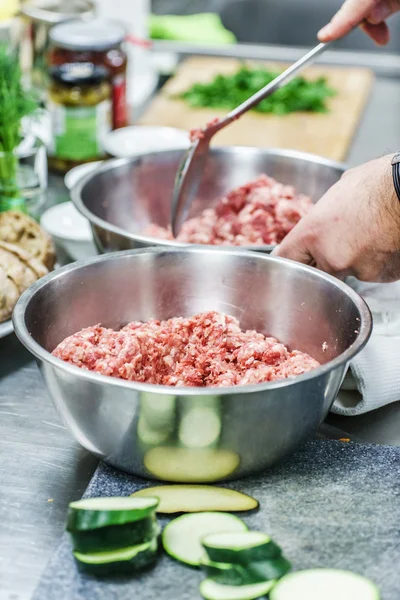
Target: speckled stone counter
{"points": [[332, 504]]}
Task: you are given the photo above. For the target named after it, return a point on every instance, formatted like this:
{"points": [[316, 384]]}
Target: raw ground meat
{"points": [[260, 212], [209, 349], [198, 133]]}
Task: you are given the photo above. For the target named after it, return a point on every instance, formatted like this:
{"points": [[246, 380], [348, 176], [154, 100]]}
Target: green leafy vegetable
{"points": [[15, 103], [228, 91]]}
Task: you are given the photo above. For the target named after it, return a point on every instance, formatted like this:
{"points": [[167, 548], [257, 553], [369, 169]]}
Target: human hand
{"points": [[373, 12], [354, 229]]}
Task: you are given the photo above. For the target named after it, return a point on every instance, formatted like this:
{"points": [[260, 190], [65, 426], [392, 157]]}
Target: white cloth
{"points": [[373, 379]]}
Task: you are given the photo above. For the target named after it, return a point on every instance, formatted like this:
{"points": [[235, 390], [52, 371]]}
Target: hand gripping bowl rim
{"points": [[21, 330], [76, 194]]}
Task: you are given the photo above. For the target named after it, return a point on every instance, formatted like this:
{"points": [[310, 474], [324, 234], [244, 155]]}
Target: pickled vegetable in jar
{"points": [[80, 107], [100, 42]]}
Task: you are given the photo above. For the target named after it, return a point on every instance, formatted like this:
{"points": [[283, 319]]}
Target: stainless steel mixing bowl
{"points": [[123, 196], [193, 434]]}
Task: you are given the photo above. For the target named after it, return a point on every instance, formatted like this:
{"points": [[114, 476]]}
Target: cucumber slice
{"points": [[92, 513], [182, 537], [240, 548], [127, 560], [210, 590], [253, 572], [198, 498], [115, 537], [329, 584], [190, 465]]}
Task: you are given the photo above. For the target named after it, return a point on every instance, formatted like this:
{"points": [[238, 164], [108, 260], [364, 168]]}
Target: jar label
{"points": [[120, 107], [78, 132]]}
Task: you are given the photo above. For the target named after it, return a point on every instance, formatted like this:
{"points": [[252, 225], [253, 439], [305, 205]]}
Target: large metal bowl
{"points": [[193, 434], [123, 196]]}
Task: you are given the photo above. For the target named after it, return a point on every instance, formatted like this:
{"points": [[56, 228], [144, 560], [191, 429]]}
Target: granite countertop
{"points": [[331, 504]]}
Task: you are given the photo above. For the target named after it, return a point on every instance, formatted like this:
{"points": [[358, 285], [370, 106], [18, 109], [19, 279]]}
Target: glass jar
{"points": [[99, 42], [23, 176], [79, 103], [37, 17]]}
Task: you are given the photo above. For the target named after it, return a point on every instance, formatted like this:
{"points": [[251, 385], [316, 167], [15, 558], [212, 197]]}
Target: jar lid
{"points": [[52, 12], [98, 34], [73, 74]]}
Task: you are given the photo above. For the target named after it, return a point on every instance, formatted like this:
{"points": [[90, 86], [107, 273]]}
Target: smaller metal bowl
{"points": [[123, 196]]}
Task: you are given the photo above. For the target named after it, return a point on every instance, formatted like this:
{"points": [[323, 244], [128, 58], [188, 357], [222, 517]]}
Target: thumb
{"points": [[294, 248], [351, 13]]}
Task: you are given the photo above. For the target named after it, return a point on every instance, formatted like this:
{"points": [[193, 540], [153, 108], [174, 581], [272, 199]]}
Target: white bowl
{"points": [[77, 173], [70, 230], [133, 141]]}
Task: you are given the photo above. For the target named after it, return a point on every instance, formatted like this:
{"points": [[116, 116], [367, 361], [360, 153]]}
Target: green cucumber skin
{"points": [[142, 562], [254, 572], [244, 556], [82, 519], [115, 537]]}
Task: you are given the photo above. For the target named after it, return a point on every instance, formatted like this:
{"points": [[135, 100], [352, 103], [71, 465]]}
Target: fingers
{"points": [[380, 12], [295, 248], [379, 32], [348, 16]]}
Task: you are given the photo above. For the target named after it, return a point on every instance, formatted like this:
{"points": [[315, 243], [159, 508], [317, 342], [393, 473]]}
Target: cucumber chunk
{"points": [[197, 498], [240, 548], [210, 590], [253, 572], [181, 538], [127, 560], [326, 584], [93, 513], [115, 537]]}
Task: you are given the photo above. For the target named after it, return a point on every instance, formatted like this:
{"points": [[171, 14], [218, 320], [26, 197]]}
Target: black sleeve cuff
{"points": [[396, 173]]}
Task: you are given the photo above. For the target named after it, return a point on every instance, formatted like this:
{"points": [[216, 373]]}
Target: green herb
{"points": [[15, 103], [228, 91]]}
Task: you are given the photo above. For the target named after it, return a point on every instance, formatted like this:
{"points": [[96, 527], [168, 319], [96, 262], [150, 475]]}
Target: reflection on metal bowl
{"points": [[124, 196], [186, 433]]}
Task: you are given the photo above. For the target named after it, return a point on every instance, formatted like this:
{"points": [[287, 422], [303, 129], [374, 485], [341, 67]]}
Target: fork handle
{"points": [[278, 82]]}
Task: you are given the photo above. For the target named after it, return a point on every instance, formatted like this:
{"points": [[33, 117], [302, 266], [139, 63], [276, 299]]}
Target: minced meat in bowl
{"points": [[261, 212], [206, 350]]}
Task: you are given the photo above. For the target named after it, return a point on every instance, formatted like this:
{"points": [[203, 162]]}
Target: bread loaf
{"points": [[19, 229], [18, 270], [9, 295]]}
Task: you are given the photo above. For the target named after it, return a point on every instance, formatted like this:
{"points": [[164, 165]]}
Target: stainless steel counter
{"points": [[42, 468]]}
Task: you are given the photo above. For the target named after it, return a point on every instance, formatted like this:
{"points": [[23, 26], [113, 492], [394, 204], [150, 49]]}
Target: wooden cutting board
{"points": [[328, 135]]}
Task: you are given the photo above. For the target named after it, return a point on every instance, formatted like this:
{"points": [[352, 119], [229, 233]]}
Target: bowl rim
{"points": [[23, 334], [109, 165]]}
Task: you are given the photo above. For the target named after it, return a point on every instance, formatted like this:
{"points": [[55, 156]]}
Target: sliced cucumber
{"points": [[240, 548], [210, 590], [190, 465], [127, 560], [326, 584], [253, 572], [115, 537], [182, 537], [92, 513], [197, 498]]}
